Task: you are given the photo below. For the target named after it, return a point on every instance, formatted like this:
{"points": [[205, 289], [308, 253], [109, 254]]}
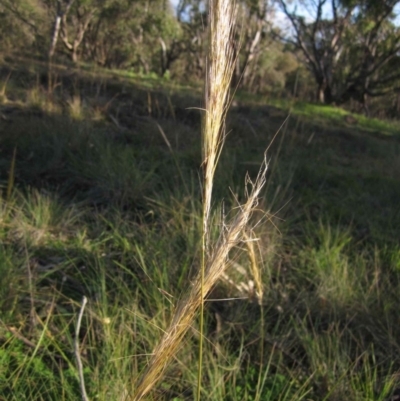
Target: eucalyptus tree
{"points": [[71, 22], [47, 21], [192, 17], [61, 12], [139, 35], [254, 23], [350, 46], [253, 38]]}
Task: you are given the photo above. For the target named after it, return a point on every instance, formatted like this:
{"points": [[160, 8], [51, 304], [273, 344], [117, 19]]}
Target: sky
{"points": [[280, 18]]}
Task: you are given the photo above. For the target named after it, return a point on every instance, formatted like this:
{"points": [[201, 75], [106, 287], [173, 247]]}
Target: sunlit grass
{"points": [[325, 114]]}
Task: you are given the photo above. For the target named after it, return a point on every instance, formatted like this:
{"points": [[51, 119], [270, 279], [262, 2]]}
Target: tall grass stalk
{"points": [[215, 259], [256, 273], [221, 64], [187, 307], [78, 353], [220, 69]]}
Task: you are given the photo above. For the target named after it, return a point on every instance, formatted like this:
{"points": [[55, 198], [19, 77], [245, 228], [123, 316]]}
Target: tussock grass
{"points": [[76, 107], [41, 215]]}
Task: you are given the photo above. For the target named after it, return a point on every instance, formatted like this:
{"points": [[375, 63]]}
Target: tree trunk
{"points": [[245, 71], [80, 30], [324, 92], [320, 95], [60, 15], [74, 54], [54, 38], [164, 57], [365, 107]]}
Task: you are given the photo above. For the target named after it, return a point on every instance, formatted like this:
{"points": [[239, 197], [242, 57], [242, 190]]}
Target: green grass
{"points": [[325, 115], [107, 212]]}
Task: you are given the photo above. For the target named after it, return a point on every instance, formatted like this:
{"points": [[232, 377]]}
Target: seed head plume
{"points": [[220, 68], [188, 306]]}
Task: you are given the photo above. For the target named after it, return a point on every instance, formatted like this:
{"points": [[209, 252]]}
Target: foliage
{"points": [[343, 53]]}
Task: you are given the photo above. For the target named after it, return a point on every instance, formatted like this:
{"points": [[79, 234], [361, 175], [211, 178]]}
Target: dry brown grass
{"points": [[221, 61], [254, 266], [187, 307]]}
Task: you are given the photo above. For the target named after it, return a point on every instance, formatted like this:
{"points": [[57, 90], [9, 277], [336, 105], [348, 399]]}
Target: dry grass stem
{"points": [[254, 266], [77, 351], [220, 67], [189, 304]]}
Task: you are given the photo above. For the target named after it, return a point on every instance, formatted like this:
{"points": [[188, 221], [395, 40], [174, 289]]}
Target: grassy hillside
{"points": [[103, 200]]}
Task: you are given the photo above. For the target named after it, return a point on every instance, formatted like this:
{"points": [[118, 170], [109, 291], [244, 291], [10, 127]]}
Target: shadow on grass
{"points": [[108, 206]]}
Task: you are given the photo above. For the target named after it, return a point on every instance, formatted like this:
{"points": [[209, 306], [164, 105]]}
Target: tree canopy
{"points": [[350, 49]]}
